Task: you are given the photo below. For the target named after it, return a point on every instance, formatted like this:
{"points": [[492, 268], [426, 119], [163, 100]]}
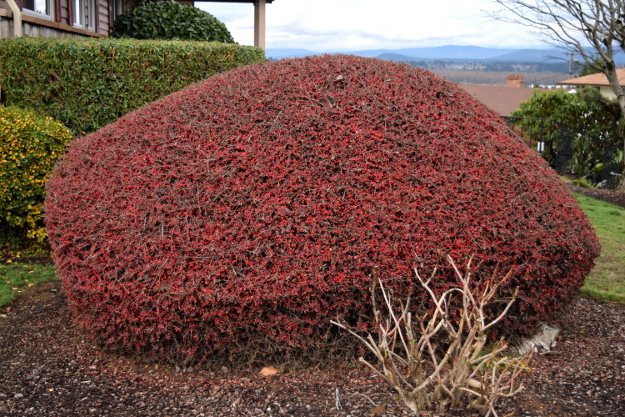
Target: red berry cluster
{"points": [[251, 208]]}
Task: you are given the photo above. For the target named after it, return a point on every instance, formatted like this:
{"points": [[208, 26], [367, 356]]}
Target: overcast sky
{"points": [[351, 25]]}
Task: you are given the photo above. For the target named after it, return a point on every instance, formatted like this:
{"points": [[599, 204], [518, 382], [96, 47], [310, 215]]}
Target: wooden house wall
{"points": [[34, 30], [64, 12], [103, 16], [6, 27], [57, 28]]}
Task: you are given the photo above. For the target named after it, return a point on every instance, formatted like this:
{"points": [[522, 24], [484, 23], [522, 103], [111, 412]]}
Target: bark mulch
{"points": [[48, 369], [616, 197]]}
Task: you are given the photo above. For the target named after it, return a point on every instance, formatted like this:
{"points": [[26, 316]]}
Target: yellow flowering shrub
{"points": [[30, 144]]}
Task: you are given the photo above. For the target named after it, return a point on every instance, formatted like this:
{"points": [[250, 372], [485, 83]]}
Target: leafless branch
{"points": [[415, 369]]}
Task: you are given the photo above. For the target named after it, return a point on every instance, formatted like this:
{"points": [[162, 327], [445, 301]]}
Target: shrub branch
{"points": [[407, 346]]}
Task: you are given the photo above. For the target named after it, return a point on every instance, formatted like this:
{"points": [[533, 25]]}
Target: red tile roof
{"points": [[502, 100], [595, 80]]}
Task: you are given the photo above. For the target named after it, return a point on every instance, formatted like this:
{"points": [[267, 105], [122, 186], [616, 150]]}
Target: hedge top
{"points": [[253, 207], [88, 83]]}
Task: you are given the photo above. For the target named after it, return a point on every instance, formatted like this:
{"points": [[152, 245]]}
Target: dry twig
{"points": [[408, 357]]}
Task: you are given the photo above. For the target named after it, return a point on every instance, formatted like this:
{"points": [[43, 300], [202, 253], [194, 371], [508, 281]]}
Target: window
{"points": [[84, 14], [39, 8], [91, 14], [117, 8], [79, 12]]}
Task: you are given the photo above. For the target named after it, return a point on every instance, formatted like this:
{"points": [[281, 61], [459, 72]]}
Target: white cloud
{"points": [[348, 25]]}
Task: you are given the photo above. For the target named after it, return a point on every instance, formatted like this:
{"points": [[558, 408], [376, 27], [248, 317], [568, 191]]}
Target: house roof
{"points": [[595, 80], [502, 100]]}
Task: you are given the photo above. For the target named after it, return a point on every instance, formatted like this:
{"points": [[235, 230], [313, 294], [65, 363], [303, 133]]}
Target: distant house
{"points": [[86, 18], [599, 81], [502, 100]]}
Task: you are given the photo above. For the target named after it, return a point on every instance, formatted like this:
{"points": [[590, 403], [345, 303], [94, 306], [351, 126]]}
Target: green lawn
{"points": [[15, 277], [606, 281]]}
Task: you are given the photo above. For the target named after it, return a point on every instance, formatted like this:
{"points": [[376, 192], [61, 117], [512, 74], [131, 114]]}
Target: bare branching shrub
{"points": [[436, 362]]}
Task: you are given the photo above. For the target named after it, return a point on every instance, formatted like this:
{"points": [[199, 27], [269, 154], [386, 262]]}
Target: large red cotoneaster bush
{"points": [[250, 209]]}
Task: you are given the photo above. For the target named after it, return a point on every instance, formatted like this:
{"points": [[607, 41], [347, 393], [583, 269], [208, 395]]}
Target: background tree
{"points": [[592, 29], [593, 118], [169, 20]]}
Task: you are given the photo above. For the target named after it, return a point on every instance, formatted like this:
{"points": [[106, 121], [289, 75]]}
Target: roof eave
{"points": [[582, 84]]}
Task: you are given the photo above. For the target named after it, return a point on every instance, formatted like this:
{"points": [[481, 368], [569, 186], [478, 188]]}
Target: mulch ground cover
{"points": [[615, 197], [48, 369]]}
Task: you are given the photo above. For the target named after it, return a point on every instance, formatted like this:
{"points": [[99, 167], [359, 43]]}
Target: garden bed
{"points": [[48, 369], [616, 197]]}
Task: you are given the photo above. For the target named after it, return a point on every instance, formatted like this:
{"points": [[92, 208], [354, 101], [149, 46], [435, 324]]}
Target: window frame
{"points": [[117, 8], [78, 7], [49, 15], [84, 14]]}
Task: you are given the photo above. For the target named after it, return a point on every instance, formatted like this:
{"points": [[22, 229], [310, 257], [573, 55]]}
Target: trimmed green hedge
{"points": [[88, 83]]}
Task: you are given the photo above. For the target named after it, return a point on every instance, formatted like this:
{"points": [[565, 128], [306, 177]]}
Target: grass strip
{"points": [[14, 277], [606, 282]]}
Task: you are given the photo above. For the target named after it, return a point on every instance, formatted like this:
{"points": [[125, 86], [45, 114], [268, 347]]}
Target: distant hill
{"points": [[455, 53], [449, 52], [544, 55], [533, 55], [394, 57], [473, 54], [289, 53]]}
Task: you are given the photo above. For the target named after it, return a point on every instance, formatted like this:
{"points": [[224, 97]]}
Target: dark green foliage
{"points": [[590, 118], [168, 20], [582, 111], [88, 83]]}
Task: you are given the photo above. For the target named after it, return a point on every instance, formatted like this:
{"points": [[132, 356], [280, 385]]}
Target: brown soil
{"points": [[48, 369]]}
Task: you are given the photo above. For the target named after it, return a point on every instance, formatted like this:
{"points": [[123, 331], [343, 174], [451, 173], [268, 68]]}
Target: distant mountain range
{"points": [[456, 53], [450, 52]]}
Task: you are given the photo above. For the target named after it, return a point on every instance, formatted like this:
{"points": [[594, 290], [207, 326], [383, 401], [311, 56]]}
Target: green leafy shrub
{"points": [[590, 118], [582, 112], [30, 144], [88, 83], [169, 20]]}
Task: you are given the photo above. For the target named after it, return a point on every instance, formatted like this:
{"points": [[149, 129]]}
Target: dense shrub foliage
{"points": [[253, 207], [30, 144], [88, 83], [589, 118], [584, 111], [169, 20]]}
